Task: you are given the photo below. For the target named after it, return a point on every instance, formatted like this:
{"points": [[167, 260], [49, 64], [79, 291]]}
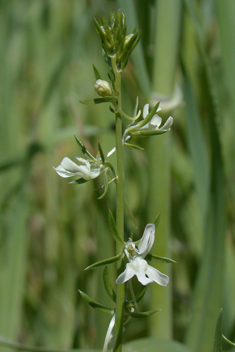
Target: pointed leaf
{"points": [[142, 314], [101, 153], [99, 100], [83, 149], [156, 221], [96, 72], [113, 229], [145, 133], [95, 304], [218, 333], [104, 262], [141, 293], [107, 284], [157, 258], [134, 146], [99, 29]]}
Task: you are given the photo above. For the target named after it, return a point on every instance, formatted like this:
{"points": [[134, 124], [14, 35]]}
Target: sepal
{"points": [[95, 304]]}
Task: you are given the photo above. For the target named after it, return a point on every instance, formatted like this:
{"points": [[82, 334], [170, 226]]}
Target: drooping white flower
{"points": [[87, 170], [138, 265], [155, 122]]}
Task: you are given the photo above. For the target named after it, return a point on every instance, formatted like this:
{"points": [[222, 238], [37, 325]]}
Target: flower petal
{"points": [[62, 172], [70, 166], [145, 110], [157, 276], [95, 171], [126, 275], [147, 240], [156, 121], [167, 125], [144, 280]]}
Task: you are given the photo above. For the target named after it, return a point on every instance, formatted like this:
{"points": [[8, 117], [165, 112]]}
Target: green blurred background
{"points": [[51, 230]]}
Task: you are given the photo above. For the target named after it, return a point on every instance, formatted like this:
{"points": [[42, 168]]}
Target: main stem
{"points": [[119, 213]]}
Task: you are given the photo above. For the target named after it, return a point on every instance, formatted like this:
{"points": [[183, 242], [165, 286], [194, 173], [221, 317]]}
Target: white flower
{"points": [[138, 265], [86, 170], [155, 122]]}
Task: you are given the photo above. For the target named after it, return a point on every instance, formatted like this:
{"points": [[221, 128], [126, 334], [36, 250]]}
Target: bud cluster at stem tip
{"points": [[115, 42]]}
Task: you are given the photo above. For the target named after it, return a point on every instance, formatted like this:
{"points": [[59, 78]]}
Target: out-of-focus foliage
{"points": [[51, 230]]}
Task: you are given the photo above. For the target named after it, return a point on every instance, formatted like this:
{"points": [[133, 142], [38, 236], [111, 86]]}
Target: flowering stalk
{"points": [[131, 260], [119, 211]]}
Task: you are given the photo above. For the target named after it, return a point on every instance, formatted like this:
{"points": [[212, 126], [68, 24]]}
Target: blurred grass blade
{"points": [[210, 280], [14, 269], [167, 30], [197, 148]]}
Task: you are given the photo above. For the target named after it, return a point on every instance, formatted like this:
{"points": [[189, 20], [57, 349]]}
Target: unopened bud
{"points": [[127, 39], [103, 88]]}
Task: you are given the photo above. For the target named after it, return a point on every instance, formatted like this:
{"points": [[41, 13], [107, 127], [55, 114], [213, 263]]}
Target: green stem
{"points": [[119, 212]]}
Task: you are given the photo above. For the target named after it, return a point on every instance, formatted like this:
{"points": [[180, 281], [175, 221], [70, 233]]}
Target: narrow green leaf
{"points": [[113, 229], [104, 262], [107, 284], [133, 146], [142, 314], [157, 258], [141, 293], [101, 153], [95, 304], [156, 221], [218, 333], [100, 30], [96, 72], [145, 133], [83, 148], [111, 99]]}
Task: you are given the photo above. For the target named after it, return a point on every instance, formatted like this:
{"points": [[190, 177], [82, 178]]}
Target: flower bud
{"points": [[103, 88]]}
